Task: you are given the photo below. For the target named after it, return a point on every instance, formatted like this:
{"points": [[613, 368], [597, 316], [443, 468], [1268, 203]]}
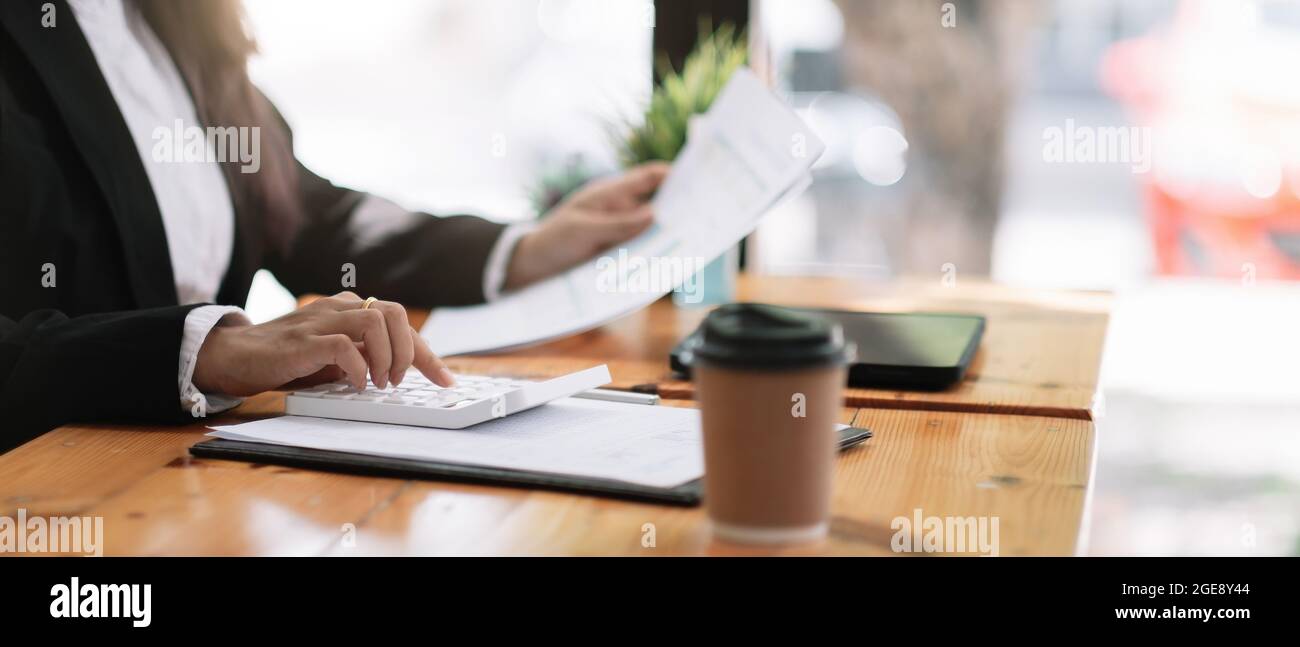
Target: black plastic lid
{"points": [[760, 336]]}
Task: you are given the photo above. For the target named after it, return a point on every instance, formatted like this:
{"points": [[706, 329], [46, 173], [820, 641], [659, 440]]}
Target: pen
{"points": [[611, 395]]}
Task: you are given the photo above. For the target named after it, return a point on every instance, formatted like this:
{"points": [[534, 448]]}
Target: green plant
{"points": [[557, 182], [662, 133]]}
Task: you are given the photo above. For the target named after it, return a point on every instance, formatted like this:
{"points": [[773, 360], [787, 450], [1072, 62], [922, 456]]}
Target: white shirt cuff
{"points": [[198, 323], [494, 274]]}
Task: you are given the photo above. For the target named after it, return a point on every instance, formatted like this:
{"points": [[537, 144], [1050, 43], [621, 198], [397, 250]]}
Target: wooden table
{"points": [[976, 452], [1040, 354]]}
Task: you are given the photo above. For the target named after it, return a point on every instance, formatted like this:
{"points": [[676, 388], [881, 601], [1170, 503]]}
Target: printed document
{"points": [[749, 151], [648, 445]]}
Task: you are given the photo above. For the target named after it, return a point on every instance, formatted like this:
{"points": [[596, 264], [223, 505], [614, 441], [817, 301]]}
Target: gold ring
{"points": [[368, 303]]}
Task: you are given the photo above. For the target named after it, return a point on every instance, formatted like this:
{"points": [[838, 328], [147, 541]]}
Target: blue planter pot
{"points": [[713, 285]]}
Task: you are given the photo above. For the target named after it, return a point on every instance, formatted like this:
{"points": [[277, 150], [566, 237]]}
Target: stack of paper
{"points": [[747, 153], [634, 443]]}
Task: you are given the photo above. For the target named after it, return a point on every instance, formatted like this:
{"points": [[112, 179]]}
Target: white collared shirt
{"points": [[197, 211]]}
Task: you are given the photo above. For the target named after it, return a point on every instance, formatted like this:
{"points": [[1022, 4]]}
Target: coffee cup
{"points": [[769, 382]]}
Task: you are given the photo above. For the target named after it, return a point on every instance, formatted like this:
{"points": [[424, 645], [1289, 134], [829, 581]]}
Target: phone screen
{"points": [[910, 339]]}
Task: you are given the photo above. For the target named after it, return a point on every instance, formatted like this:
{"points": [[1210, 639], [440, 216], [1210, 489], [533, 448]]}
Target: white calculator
{"points": [[420, 402]]}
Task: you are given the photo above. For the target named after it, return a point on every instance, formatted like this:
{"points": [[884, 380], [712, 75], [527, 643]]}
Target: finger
{"points": [[647, 177], [403, 348], [338, 350], [345, 300], [629, 189], [368, 326], [326, 375], [617, 227], [429, 364], [635, 186]]}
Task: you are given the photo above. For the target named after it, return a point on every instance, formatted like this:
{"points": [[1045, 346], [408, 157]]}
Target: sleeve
{"points": [[108, 367], [354, 241], [198, 323], [494, 275]]}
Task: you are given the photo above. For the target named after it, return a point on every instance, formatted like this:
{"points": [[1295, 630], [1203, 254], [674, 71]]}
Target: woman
{"points": [[123, 272]]}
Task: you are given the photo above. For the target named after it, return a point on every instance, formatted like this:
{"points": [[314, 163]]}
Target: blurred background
{"points": [[1150, 149]]}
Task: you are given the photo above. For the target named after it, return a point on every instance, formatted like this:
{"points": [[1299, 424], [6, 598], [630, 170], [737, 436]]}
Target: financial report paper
{"points": [[633, 443], [749, 151]]}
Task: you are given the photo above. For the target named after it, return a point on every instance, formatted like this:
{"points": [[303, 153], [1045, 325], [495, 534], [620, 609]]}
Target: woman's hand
{"points": [[599, 215], [324, 341]]}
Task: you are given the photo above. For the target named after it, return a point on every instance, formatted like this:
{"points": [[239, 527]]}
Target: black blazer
{"points": [[103, 343]]}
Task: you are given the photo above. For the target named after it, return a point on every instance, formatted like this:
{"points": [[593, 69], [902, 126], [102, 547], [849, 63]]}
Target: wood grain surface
{"points": [[1032, 473]]}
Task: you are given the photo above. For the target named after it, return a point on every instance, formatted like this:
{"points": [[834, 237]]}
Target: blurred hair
{"points": [[210, 44]]}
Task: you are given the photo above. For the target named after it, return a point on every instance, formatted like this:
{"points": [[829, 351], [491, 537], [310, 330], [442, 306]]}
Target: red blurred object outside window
{"points": [[1219, 87]]}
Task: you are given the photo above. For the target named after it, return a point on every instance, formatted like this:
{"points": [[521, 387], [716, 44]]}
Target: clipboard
{"points": [[686, 494]]}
